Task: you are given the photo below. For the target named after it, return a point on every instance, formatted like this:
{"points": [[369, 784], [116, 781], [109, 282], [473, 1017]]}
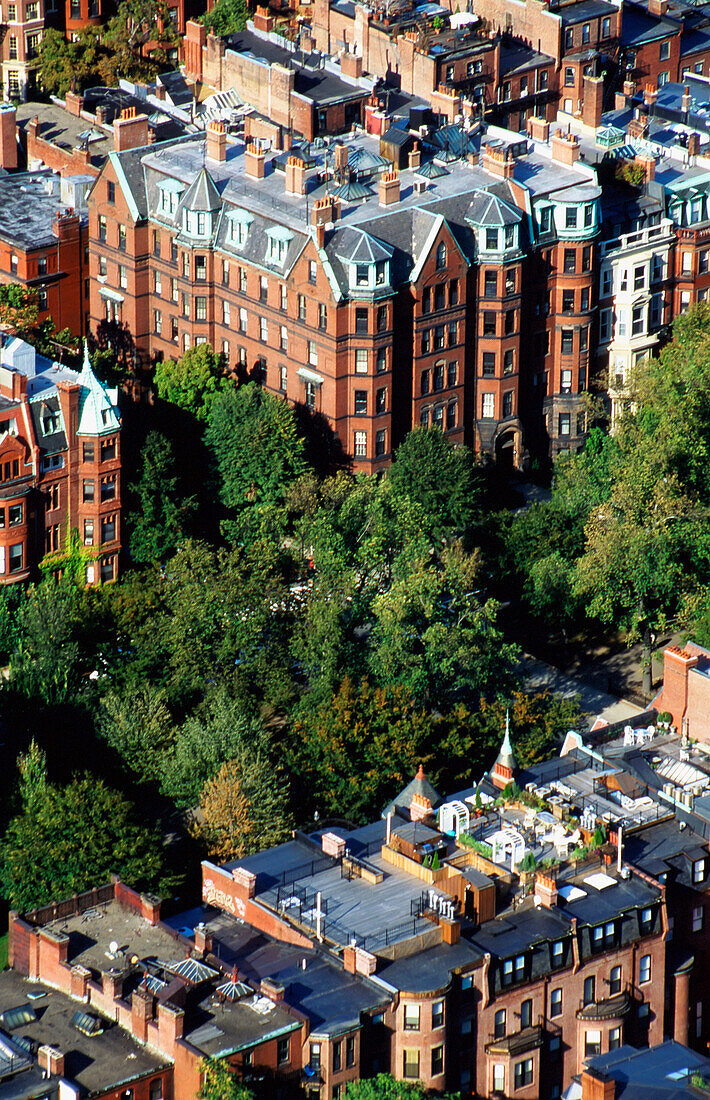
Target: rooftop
{"points": [[92, 932], [663, 1072], [29, 205], [98, 1063]]}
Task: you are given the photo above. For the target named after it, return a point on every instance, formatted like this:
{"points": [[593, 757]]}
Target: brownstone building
{"points": [[60, 466], [379, 298]]}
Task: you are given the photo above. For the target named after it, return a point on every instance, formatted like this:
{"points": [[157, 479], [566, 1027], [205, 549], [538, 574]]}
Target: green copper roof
{"points": [[98, 411]]}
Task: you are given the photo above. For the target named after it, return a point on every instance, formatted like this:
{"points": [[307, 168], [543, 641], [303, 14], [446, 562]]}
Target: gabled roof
{"points": [[358, 247], [98, 413], [487, 209], [202, 194], [419, 785]]}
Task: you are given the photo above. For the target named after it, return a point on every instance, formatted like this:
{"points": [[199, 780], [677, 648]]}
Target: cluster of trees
{"points": [[132, 45], [219, 1083], [324, 635], [625, 540]]}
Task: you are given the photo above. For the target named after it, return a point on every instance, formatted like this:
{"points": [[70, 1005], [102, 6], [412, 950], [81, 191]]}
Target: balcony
{"points": [[519, 1042], [611, 1008]]}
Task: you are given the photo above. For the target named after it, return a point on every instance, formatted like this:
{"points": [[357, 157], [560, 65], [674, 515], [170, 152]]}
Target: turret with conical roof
{"points": [[503, 771], [98, 405]]}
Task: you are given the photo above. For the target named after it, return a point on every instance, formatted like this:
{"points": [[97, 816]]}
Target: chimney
{"points": [[538, 129], [415, 157], [333, 845], [52, 1060], [597, 1087], [295, 176], [545, 890], [273, 990], [351, 65], [693, 144], [203, 940], [657, 8], [498, 162], [650, 95], [74, 103], [388, 188], [245, 879], [8, 137], [171, 1024], [565, 148], [629, 88], [420, 808], [340, 158], [263, 21], [216, 142], [112, 984], [101, 115], [254, 162], [677, 664], [141, 1013], [686, 100], [130, 131], [324, 211], [649, 167], [592, 105]]}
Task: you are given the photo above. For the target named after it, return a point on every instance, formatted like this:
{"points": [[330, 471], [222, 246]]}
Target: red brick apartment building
{"points": [[378, 298], [60, 465]]}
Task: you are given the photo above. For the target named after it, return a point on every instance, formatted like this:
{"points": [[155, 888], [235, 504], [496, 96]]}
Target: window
{"points": [[523, 1073], [605, 325], [488, 405], [526, 1013], [664, 51], [312, 271], [498, 1077], [337, 1056], [200, 308], [592, 1042], [440, 255], [545, 219], [698, 918], [644, 969], [663, 78], [490, 284], [263, 288], [489, 365], [201, 268], [156, 1088], [451, 372], [508, 403], [108, 487], [438, 338], [108, 449], [467, 981], [108, 529], [314, 1059], [437, 1061], [361, 361], [283, 378], [242, 320], [510, 281], [263, 330], [381, 360], [283, 338], [450, 416], [15, 558], [362, 275], [102, 227], [283, 297], [637, 320], [382, 318], [492, 240], [567, 301], [440, 296], [453, 292], [103, 267], [52, 497], [360, 321], [509, 326], [380, 401], [122, 238], [312, 353], [360, 403], [615, 1038], [606, 27], [699, 870], [489, 323], [108, 566], [558, 953], [185, 304], [361, 452], [410, 1064], [380, 443], [87, 452], [571, 217], [584, 299], [157, 322], [311, 395], [564, 424], [301, 307], [411, 1012], [556, 1002], [566, 381], [350, 1051], [226, 313], [567, 342], [615, 980], [424, 382], [499, 1024], [698, 1019], [14, 515]]}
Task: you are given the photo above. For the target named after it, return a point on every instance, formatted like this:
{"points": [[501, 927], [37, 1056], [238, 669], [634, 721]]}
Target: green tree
{"points": [[385, 1087], [205, 742], [439, 477], [159, 523], [194, 381], [12, 596], [355, 751], [139, 726], [136, 39], [257, 452], [220, 1083], [32, 767], [243, 807], [19, 309], [67, 839], [67, 64], [226, 17]]}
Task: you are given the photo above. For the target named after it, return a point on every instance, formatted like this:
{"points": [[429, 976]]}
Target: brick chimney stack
{"points": [[538, 129], [52, 1060], [686, 100], [595, 1086], [499, 162], [565, 148], [216, 142], [388, 188], [546, 890], [8, 137], [650, 95], [415, 157], [295, 176], [592, 105], [130, 131], [254, 162]]}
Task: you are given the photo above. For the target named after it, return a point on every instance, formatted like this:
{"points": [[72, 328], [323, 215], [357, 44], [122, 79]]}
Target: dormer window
{"points": [[239, 223], [510, 236], [381, 272], [197, 223], [362, 275], [545, 219], [699, 870], [571, 217], [279, 240], [492, 240], [440, 255], [170, 191], [50, 420]]}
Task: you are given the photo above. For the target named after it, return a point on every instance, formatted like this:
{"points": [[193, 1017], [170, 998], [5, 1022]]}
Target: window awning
{"points": [[112, 295], [310, 376]]}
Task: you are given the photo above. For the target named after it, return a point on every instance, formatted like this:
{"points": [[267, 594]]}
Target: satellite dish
{"points": [[113, 947]]}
